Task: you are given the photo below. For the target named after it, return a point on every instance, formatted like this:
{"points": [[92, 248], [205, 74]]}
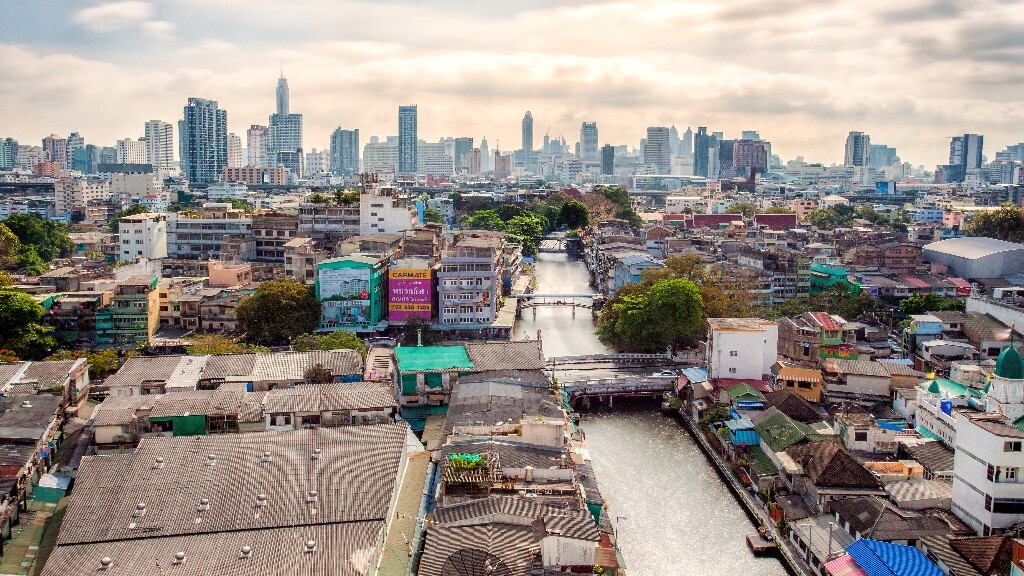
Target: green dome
{"points": [[934, 388], [1010, 365]]}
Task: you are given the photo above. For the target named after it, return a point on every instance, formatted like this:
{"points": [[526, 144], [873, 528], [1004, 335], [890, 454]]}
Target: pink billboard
{"points": [[410, 295]]}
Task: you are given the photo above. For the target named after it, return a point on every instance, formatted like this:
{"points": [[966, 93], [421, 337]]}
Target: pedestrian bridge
{"points": [[557, 300]]}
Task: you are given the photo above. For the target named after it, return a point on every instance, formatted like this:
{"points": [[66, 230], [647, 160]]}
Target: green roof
{"points": [[1019, 423], [425, 358], [1010, 365], [760, 463], [949, 388], [743, 390], [779, 431]]}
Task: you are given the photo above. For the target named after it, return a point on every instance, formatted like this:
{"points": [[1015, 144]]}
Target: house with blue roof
{"points": [[876, 558]]}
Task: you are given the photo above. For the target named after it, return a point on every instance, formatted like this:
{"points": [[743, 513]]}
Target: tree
{"points": [[573, 215], [484, 220], [47, 238], [778, 210], [132, 210], [33, 342], [17, 311], [9, 248], [279, 311], [724, 293], [29, 261], [924, 303], [841, 299], [667, 313], [745, 208], [419, 331], [1005, 223], [433, 215], [102, 363], [318, 374], [509, 211], [220, 344], [528, 230], [339, 339]]}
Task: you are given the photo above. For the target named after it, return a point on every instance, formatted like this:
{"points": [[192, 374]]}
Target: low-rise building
{"points": [[741, 348], [807, 382], [133, 315], [142, 236], [468, 284], [335, 404], [215, 228], [351, 292]]}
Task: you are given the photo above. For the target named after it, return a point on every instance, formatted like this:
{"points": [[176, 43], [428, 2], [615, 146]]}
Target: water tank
{"points": [[946, 405]]}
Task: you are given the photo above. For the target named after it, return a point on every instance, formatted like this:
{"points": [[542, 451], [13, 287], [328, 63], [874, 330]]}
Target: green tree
{"points": [[132, 210], [9, 248], [433, 215], [1005, 223], [318, 374], [220, 344], [667, 314], [723, 292], [527, 229], [840, 299], [102, 363], [484, 220], [34, 342], [574, 214], [778, 210], [236, 203], [745, 208], [279, 311], [924, 303], [29, 261], [47, 238], [337, 340], [20, 331], [509, 211]]}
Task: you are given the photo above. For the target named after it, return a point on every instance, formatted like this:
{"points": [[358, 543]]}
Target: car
{"points": [[665, 374]]}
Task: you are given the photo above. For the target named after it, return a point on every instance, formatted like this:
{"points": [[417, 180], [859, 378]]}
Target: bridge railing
{"points": [[607, 358]]}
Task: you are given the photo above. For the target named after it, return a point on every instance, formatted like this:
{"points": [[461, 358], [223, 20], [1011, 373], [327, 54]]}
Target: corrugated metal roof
{"points": [[972, 247], [886, 559]]}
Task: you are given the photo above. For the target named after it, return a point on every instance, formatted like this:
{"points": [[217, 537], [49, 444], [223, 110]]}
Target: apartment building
{"points": [[468, 279], [72, 195], [328, 220], [142, 236], [216, 227], [271, 231], [988, 488]]}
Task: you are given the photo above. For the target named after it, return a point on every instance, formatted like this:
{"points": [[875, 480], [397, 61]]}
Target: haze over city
{"points": [[803, 74]]}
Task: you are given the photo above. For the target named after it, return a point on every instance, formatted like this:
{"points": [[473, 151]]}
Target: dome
{"points": [[1010, 365], [934, 388]]}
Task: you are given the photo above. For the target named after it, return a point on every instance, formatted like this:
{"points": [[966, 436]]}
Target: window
{"points": [[991, 473], [1011, 446], [860, 436], [733, 353], [1010, 473], [732, 370]]}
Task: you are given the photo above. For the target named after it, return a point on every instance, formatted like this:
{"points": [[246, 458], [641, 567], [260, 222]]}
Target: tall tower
{"points": [[700, 152], [203, 140], [160, 146], [408, 139], [686, 146], [344, 157], [528, 132], [282, 95], [658, 152], [258, 143], [56, 149], [858, 149], [588, 142], [234, 151], [486, 162]]}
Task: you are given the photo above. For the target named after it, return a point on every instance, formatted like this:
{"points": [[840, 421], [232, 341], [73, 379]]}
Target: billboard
{"points": [[410, 294], [345, 296]]}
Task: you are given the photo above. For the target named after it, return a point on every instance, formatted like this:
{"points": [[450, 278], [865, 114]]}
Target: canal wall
{"points": [[751, 507]]}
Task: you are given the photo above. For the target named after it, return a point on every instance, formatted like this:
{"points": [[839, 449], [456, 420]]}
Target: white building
{"points": [[380, 155], [142, 236], [160, 148], [435, 158], [741, 347], [988, 490], [318, 161], [126, 187], [129, 151], [71, 194], [234, 151], [1005, 394], [680, 204], [384, 214]]}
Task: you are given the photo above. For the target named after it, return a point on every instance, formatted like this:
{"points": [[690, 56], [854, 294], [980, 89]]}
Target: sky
{"points": [[910, 73]]}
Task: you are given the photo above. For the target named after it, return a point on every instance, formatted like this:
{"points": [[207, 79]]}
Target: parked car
{"points": [[665, 374]]}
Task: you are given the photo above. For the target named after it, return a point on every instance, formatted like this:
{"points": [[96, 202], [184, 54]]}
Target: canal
{"points": [[675, 516]]}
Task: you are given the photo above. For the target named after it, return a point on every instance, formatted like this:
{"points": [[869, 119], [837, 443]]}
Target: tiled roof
{"points": [[828, 464], [989, 555], [51, 372], [487, 356], [573, 522], [934, 456], [27, 417], [793, 405], [328, 397], [826, 321], [222, 366], [500, 396], [505, 545], [139, 369], [510, 454], [118, 410], [938, 546], [779, 431], [897, 369], [886, 559], [353, 474], [293, 365], [876, 519], [858, 367]]}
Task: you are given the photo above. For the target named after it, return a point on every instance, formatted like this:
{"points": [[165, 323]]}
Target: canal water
{"points": [[674, 515]]}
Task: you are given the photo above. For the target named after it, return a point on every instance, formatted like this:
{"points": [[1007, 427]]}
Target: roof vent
{"points": [[211, 459], [106, 563], [266, 457], [310, 546], [246, 552], [179, 558], [140, 509], [312, 496], [204, 505], [159, 462], [261, 500], [316, 453], [26, 404]]}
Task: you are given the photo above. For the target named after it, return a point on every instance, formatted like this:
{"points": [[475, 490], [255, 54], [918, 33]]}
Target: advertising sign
{"points": [[410, 295], [345, 296]]}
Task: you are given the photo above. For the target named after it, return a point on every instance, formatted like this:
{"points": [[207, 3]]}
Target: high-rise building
{"points": [[344, 159], [858, 149], [408, 139], [282, 95], [674, 144], [747, 154], [588, 142], [750, 135], [317, 161], [234, 151], [965, 155], [686, 146], [463, 146], [56, 149], [607, 160], [8, 153], [528, 132], [75, 142], [258, 142], [160, 146], [131, 151], [882, 156], [203, 140], [486, 161], [701, 143], [658, 151]]}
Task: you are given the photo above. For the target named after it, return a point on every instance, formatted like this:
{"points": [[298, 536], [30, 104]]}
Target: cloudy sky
{"points": [[911, 73]]}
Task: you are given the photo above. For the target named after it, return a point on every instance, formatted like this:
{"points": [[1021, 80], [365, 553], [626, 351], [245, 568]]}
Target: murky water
{"points": [[675, 517]]}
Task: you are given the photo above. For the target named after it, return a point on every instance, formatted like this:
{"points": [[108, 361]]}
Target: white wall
{"points": [[976, 449]]}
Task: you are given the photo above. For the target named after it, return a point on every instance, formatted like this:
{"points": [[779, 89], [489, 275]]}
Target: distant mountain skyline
{"points": [[803, 74]]}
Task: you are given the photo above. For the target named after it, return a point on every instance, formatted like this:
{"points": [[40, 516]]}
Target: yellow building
{"points": [[804, 381]]}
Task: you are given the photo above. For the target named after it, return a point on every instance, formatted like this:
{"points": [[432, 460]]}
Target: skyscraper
{"points": [[408, 139], [8, 153], [588, 142], [131, 151], [160, 146], [882, 156], [56, 149], [75, 141], [674, 144], [607, 160], [486, 164], [700, 151], [965, 155], [203, 140], [686, 146], [658, 152], [344, 159], [528, 132], [234, 151], [858, 149], [463, 145], [282, 95], [258, 142]]}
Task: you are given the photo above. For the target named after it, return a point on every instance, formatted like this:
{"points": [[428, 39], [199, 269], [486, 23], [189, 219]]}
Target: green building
{"points": [[351, 292], [133, 315], [825, 276]]}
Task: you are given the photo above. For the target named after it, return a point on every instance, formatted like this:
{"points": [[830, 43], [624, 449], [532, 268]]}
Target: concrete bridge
{"points": [[573, 301], [579, 392], [687, 357]]}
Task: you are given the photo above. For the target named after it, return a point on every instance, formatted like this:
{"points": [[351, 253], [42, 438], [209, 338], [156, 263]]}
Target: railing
{"points": [[625, 385]]}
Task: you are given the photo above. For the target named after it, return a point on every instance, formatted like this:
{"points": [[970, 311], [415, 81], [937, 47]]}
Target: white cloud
{"points": [[112, 16]]}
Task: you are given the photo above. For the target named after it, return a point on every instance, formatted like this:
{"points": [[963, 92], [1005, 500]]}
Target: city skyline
{"points": [[820, 73]]}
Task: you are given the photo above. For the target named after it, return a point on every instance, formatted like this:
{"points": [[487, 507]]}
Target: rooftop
{"points": [[972, 247], [424, 358], [739, 324]]}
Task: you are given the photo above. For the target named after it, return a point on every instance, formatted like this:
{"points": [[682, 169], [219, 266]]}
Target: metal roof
{"points": [[972, 247], [886, 559]]}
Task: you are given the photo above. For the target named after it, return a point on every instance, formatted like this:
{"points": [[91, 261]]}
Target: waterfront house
{"points": [[741, 348], [825, 472], [741, 396], [877, 519], [742, 432], [818, 540], [792, 404], [778, 432], [974, 555], [872, 558], [804, 381]]}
